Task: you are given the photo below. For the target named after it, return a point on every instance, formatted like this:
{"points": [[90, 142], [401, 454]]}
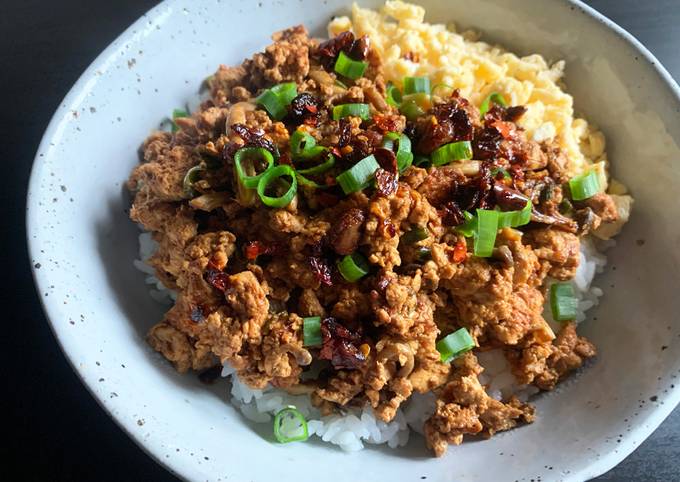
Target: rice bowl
{"points": [[195, 191], [614, 374]]}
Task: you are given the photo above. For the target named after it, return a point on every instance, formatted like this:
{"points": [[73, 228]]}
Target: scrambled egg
{"points": [[411, 47]]}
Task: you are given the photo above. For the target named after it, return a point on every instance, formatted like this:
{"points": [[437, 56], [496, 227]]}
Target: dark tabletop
{"points": [[52, 428]]}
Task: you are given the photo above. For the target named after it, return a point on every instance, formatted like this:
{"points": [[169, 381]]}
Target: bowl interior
{"points": [[83, 244]]}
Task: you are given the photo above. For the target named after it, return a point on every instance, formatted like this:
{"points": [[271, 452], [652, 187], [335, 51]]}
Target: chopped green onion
{"points": [[442, 86], [496, 170], [303, 146], [311, 331], [469, 226], [353, 267], [455, 344], [404, 154], [303, 181], [513, 219], [177, 113], [355, 110], [190, 178], [454, 151], [359, 176], [290, 426], [563, 302], [252, 154], [565, 207], [584, 186], [320, 168], [393, 95], [301, 143], [286, 92], [352, 69], [340, 84], [494, 97], [276, 99], [272, 103], [485, 232], [423, 253], [416, 85], [416, 234], [421, 161], [271, 175], [415, 105]]}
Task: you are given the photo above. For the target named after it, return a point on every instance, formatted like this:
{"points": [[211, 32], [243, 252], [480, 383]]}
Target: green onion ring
{"points": [[494, 97], [404, 154], [454, 151], [245, 153], [584, 186], [353, 267], [416, 85], [352, 69], [269, 176], [190, 178], [355, 110], [311, 331], [285, 433], [359, 176], [321, 168], [455, 344], [177, 113], [393, 96], [485, 232], [563, 302]]}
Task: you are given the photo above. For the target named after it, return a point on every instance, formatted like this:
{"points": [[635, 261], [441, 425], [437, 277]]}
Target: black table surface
{"points": [[52, 428]]}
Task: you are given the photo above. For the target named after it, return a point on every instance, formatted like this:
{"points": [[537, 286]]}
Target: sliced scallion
{"points": [[415, 105], [416, 85], [352, 69], [311, 331], [190, 178], [423, 253], [455, 344], [359, 176], [494, 97], [442, 86], [418, 233], [354, 110], [301, 143], [320, 168], [252, 154], [563, 302], [513, 219], [272, 104], [421, 161], [177, 113], [469, 226], [393, 95], [290, 426], [404, 154], [499, 170], [286, 92], [270, 176], [454, 151], [353, 267], [276, 99], [485, 232], [584, 186]]}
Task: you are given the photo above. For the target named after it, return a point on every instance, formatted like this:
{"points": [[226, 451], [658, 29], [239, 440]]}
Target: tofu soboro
{"points": [[304, 216]]}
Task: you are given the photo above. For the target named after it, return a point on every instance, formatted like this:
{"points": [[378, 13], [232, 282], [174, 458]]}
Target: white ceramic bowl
{"points": [[82, 245]]}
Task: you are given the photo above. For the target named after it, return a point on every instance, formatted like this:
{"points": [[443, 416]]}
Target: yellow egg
{"points": [[461, 61]]}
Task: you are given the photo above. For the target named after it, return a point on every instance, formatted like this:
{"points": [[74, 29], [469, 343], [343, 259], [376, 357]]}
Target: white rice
{"points": [[356, 427]]}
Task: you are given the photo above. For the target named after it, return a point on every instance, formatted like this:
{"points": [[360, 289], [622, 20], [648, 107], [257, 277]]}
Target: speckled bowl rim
{"points": [[53, 131]]}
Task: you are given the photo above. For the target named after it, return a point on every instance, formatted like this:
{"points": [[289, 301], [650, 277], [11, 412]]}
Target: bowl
{"points": [[82, 245]]}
